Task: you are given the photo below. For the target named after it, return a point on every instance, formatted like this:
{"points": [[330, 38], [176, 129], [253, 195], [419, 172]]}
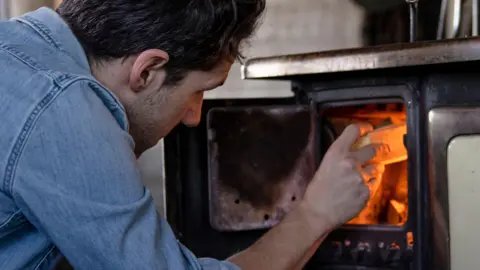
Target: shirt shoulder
{"points": [[81, 135], [64, 107], [91, 98], [29, 90]]}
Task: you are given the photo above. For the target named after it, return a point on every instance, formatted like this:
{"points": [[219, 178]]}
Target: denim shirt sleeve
{"points": [[77, 182]]}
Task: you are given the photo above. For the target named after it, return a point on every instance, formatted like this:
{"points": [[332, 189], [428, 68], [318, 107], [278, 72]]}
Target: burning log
{"points": [[397, 213], [392, 137]]}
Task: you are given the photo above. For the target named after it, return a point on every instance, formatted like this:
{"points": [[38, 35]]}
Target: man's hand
{"points": [[338, 191]]}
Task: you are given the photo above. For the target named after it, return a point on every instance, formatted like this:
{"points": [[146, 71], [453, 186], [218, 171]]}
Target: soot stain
{"points": [[257, 150]]}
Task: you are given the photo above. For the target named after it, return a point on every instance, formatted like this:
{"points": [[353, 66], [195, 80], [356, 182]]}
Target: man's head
{"points": [[159, 56]]}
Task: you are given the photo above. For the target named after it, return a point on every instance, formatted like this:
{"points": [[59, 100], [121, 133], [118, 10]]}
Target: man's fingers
{"points": [[364, 154], [368, 152], [351, 134], [372, 171]]}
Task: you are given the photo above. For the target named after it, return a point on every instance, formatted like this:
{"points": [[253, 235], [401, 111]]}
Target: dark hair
{"points": [[196, 34]]}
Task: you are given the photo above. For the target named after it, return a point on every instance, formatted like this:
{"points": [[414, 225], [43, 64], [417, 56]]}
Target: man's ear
{"points": [[148, 68]]}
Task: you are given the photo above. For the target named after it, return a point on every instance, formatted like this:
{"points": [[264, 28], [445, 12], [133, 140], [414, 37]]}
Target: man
{"points": [[86, 90]]}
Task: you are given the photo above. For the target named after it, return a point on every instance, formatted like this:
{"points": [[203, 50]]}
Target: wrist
{"points": [[317, 223]]}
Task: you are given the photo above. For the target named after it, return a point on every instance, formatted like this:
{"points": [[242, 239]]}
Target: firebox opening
{"points": [[388, 202]]}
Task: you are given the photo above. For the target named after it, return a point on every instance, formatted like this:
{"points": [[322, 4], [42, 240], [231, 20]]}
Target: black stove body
{"points": [[439, 85]]}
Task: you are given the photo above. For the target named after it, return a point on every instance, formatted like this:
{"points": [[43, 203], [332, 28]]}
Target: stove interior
{"points": [[388, 202]]}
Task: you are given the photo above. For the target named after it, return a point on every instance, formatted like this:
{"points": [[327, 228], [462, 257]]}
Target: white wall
{"points": [[295, 27], [19, 7]]}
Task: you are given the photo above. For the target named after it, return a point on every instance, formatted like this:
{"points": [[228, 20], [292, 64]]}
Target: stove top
{"points": [[366, 58]]}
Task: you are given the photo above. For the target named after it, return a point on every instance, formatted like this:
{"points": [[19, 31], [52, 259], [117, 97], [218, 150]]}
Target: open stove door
{"points": [[260, 161], [239, 172], [454, 138]]}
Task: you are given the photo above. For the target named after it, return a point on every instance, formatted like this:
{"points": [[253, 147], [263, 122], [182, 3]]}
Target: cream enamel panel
{"points": [[464, 201]]}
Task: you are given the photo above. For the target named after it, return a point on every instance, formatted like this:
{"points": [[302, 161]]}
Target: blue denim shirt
{"points": [[69, 180]]}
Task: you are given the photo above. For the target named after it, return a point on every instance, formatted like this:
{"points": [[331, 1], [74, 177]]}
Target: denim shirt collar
{"points": [[56, 32]]}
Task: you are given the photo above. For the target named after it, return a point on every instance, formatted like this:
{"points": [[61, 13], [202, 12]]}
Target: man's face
{"points": [[155, 109]]}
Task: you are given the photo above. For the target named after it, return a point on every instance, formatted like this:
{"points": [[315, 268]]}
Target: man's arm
{"points": [[336, 194], [77, 182], [285, 246]]}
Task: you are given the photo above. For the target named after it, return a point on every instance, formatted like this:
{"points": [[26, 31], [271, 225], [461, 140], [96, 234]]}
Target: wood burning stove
{"points": [[416, 219]]}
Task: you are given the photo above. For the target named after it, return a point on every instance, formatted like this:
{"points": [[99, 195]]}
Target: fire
{"points": [[388, 202], [393, 209]]}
